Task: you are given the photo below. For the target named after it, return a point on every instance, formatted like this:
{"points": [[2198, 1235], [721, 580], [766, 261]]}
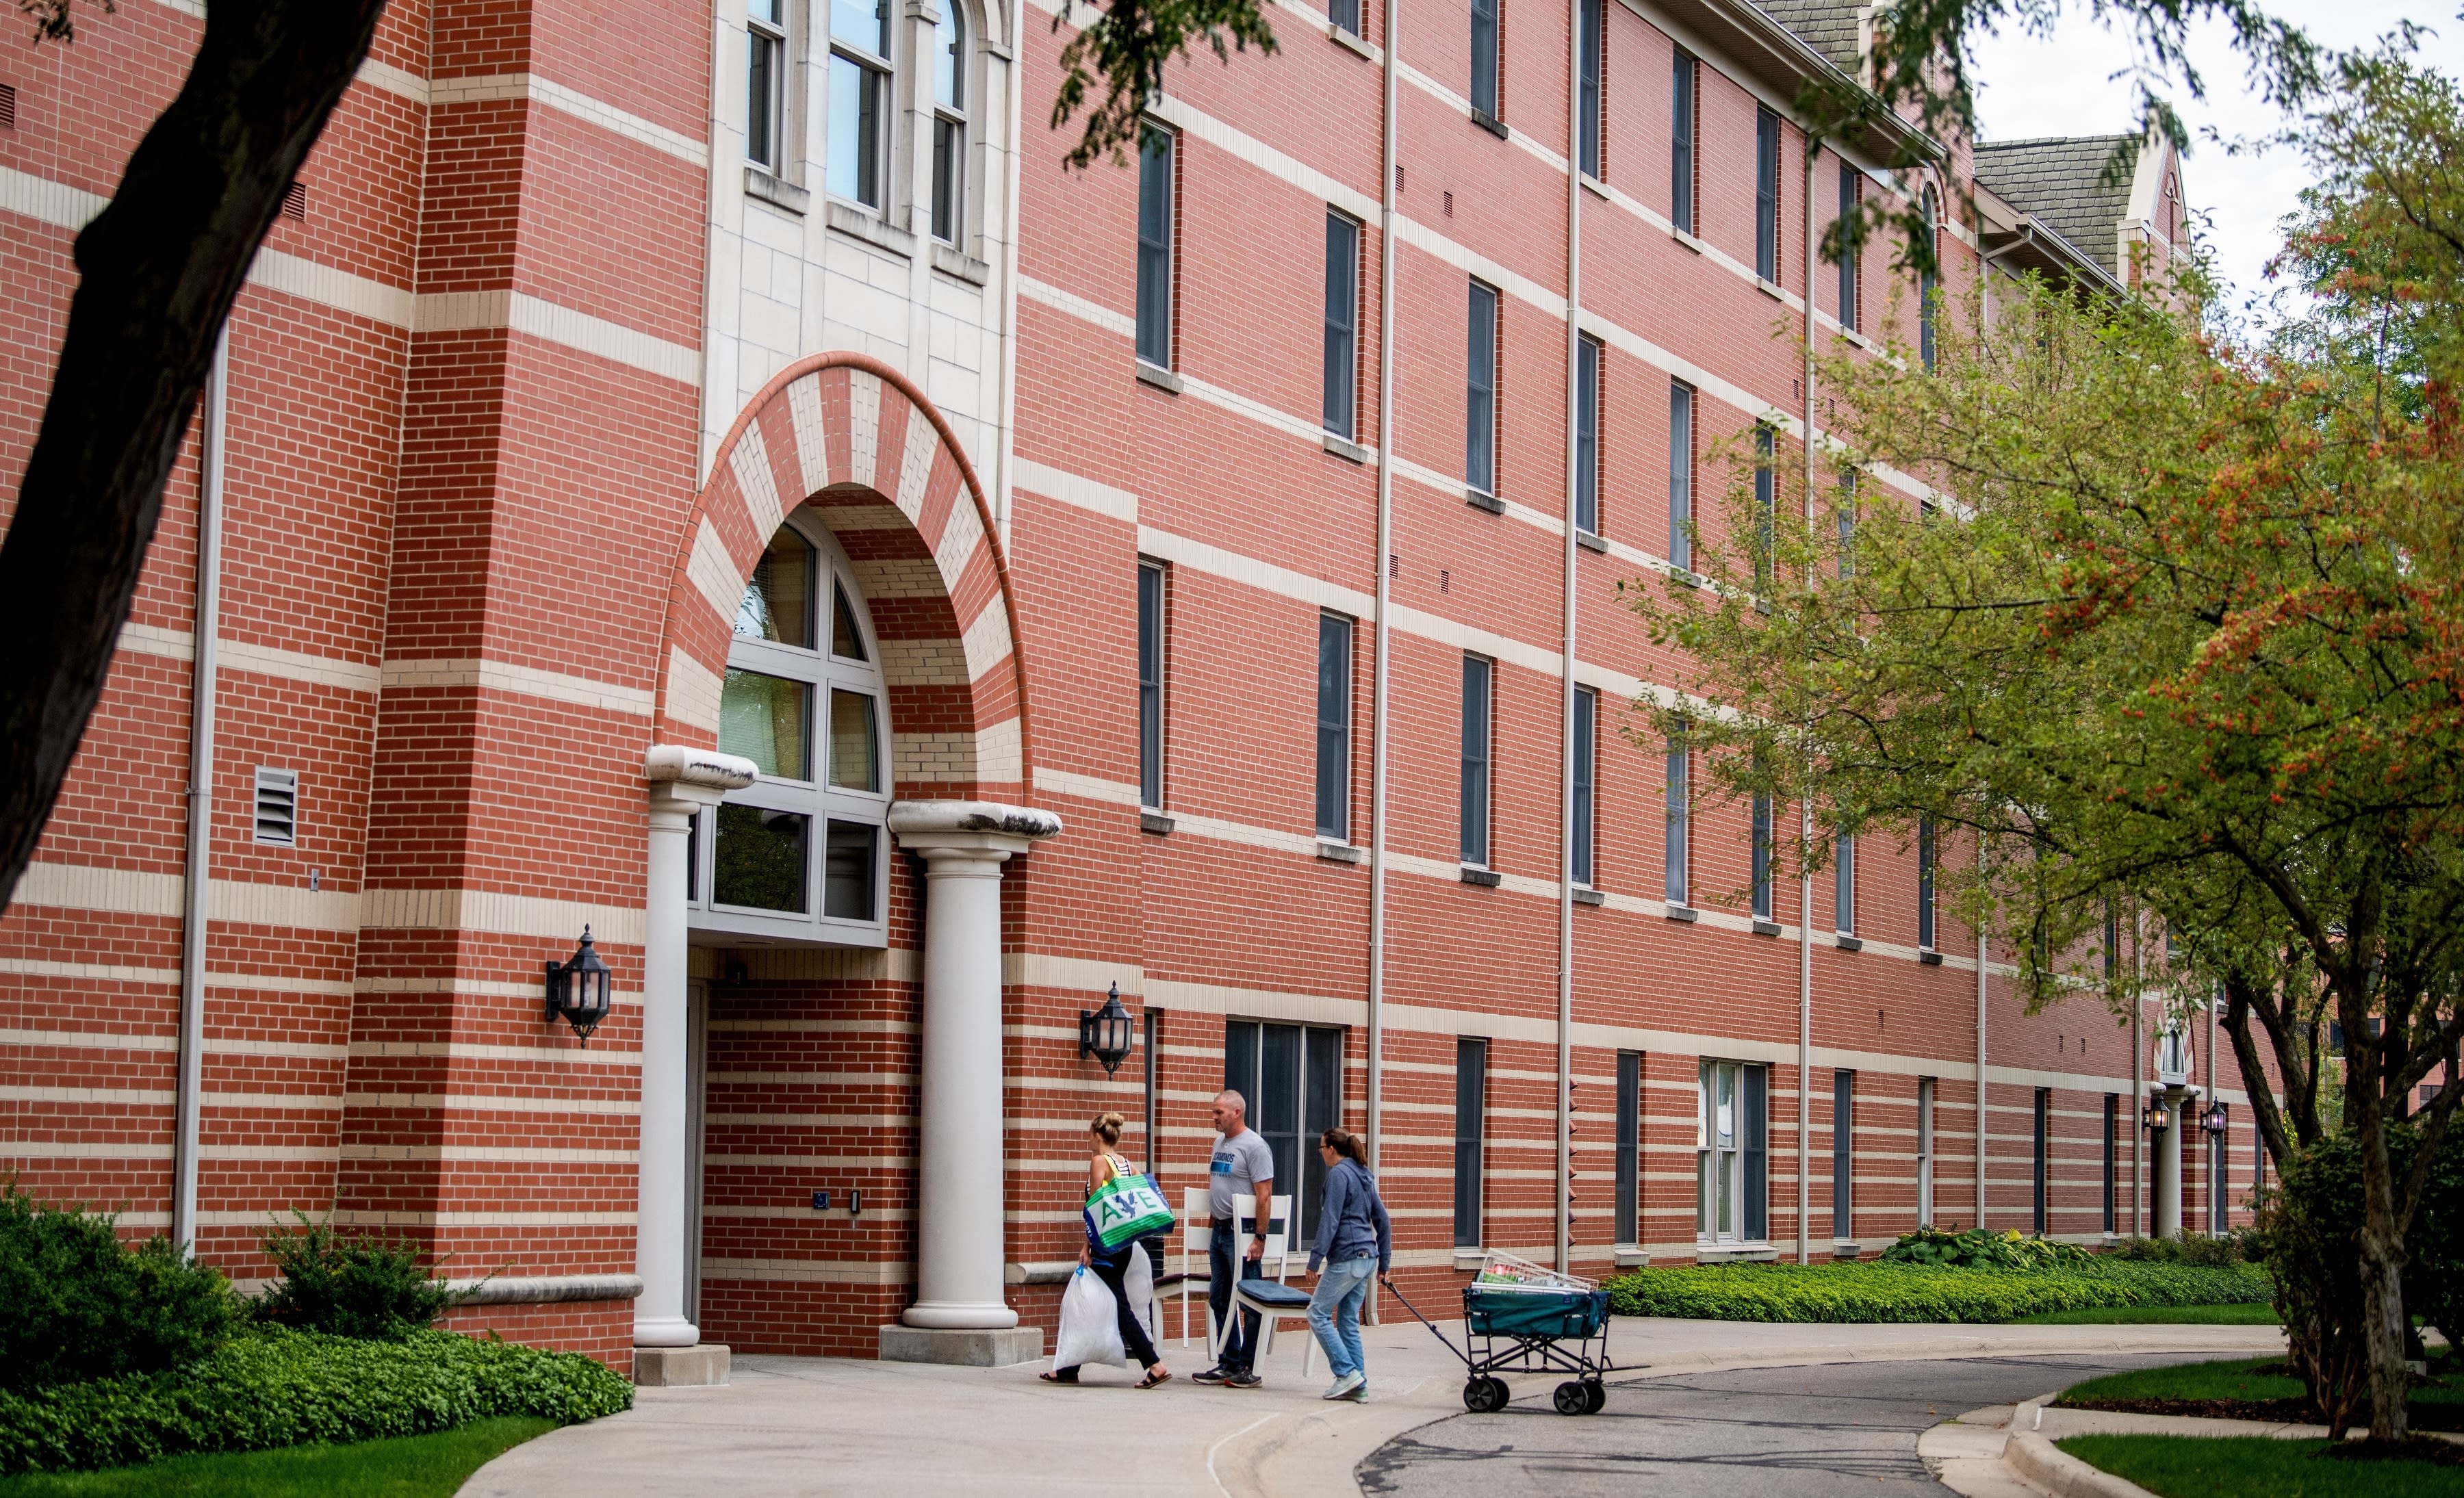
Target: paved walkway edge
{"points": [[2061, 1474]]}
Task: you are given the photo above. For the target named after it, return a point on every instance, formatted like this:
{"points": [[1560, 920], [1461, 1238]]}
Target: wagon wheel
{"points": [[1573, 1399], [1598, 1393], [1484, 1396]]}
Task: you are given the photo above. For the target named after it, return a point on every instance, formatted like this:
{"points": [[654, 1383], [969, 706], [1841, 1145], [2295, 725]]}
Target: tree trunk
{"points": [[158, 271]]}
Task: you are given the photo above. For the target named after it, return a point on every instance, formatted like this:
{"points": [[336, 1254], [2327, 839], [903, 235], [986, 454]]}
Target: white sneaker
{"points": [[1342, 1387]]}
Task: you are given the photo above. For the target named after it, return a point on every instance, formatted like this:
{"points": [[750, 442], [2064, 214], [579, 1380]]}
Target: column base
{"points": [[664, 1332], [678, 1366], [980, 1347]]}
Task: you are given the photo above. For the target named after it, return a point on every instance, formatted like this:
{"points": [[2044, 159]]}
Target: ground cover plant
{"points": [[2235, 1315], [2256, 1388], [2255, 1467], [405, 1466], [1850, 1292]]}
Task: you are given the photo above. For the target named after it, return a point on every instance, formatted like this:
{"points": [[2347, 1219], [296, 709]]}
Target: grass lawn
{"points": [[2156, 1315], [2251, 1388], [411, 1466], [2254, 1467]]}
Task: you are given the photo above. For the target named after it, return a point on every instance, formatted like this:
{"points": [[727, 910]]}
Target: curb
{"points": [[2058, 1472]]}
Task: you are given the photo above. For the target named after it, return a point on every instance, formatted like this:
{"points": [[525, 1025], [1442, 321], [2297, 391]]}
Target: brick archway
{"points": [[854, 440]]}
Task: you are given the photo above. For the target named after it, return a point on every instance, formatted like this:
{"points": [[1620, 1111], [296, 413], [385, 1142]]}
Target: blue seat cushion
{"points": [[1274, 1295]]}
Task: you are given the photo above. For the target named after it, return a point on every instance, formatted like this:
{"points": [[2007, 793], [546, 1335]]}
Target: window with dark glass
{"points": [[1628, 1228], [1681, 798], [2112, 1156], [1924, 882], [2043, 1159], [1471, 1105], [765, 83], [1335, 727], [1928, 278], [1293, 1077], [846, 871], [1478, 676], [1843, 885], [1587, 436], [1683, 119], [1344, 15], [1762, 857], [1479, 401], [1847, 518], [1595, 54], [950, 123], [1852, 191], [1844, 1154], [1484, 57], [1155, 245], [1342, 322], [1766, 194], [860, 104], [1587, 753], [1150, 685], [1680, 475], [1766, 500]]}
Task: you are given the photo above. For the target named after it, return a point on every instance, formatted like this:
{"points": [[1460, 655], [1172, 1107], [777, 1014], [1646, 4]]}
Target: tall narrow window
{"points": [[765, 82], [1852, 191], [1150, 685], [859, 98], [1848, 523], [1629, 1148], [1679, 806], [1342, 322], [950, 123], [1680, 475], [1292, 1076], [1762, 856], [1335, 727], [1344, 15], [1595, 41], [2044, 1112], [1479, 400], [1587, 436], [1683, 116], [1928, 277], [2219, 1211], [1924, 883], [1766, 500], [1484, 57], [1843, 885], [2112, 1158], [1472, 1100], [1478, 675], [1155, 247], [1585, 731], [1924, 1151], [1843, 1155], [1766, 194]]}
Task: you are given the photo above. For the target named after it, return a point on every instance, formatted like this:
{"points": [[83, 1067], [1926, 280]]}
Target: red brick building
{"points": [[1195, 576]]}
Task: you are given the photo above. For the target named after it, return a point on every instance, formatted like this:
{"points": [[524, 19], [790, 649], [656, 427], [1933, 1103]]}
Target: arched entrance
{"points": [[863, 455]]}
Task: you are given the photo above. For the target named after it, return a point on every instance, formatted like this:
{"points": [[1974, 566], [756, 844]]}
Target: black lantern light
{"points": [[1105, 1033], [577, 989], [2217, 1116], [2158, 1117]]}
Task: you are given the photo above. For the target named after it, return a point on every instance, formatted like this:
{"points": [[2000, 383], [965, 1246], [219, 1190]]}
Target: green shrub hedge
{"points": [[1864, 1292], [274, 1387], [75, 1303]]}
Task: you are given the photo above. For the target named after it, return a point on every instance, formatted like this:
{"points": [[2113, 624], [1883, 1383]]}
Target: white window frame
{"points": [[1924, 1151], [951, 114], [1719, 1160], [817, 799], [884, 73], [760, 31]]}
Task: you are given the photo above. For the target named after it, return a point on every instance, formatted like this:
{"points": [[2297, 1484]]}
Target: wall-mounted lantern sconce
{"points": [[1106, 1033], [577, 989], [2217, 1119], [2158, 1117]]}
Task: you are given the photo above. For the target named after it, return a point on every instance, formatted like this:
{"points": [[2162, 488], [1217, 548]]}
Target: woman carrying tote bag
{"points": [[1355, 1240], [1111, 1264]]}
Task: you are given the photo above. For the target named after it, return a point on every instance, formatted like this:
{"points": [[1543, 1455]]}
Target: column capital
{"points": [[685, 778], [969, 829]]}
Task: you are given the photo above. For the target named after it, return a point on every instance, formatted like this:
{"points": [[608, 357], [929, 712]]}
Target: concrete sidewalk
{"points": [[808, 1426]]}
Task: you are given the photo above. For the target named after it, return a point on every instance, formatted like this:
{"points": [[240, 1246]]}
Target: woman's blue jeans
{"points": [[1335, 1313]]}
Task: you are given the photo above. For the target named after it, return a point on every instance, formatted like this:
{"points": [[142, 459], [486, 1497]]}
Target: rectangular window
{"points": [[1150, 685], [1587, 436], [1731, 1189], [1844, 1154], [846, 871], [278, 807], [1852, 191], [1848, 523], [1344, 15], [1595, 41], [1586, 732], [1155, 245], [2112, 1156], [1924, 1151], [1680, 475], [855, 748], [1629, 1147], [1684, 118], [1479, 400], [765, 76], [1766, 194], [1291, 1076], [1924, 883], [1478, 680], [769, 720], [1342, 322], [859, 98], [1484, 57], [1471, 1098], [760, 859], [2044, 1112], [1762, 856], [1766, 500], [1843, 885], [1335, 727], [1680, 800]]}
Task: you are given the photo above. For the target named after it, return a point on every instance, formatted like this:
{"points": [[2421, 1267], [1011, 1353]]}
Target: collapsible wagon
{"points": [[1521, 1318]]}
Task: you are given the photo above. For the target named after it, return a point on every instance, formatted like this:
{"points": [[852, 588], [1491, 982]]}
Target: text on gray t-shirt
{"points": [[1240, 1163]]}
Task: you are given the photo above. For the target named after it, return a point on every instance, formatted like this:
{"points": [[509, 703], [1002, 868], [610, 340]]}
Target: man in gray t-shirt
{"points": [[1242, 1165]]}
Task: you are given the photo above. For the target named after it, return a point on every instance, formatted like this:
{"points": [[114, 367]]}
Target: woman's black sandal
{"points": [[1050, 1377], [1152, 1379]]}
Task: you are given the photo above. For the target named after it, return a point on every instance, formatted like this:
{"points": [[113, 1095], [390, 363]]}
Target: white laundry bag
{"points": [[1138, 1278], [1089, 1332]]}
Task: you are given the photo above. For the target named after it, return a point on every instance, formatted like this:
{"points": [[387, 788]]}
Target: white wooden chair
{"points": [[1272, 1299], [1197, 1241]]}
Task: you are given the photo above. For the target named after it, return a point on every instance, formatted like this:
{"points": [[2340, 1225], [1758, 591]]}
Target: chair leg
{"points": [[1308, 1354]]}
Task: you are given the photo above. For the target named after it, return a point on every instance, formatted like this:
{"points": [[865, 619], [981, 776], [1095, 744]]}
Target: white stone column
{"points": [[958, 1176], [2168, 1168], [682, 782]]}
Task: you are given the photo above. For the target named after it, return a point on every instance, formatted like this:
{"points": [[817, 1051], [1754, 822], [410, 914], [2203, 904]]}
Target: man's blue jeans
{"points": [[1335, 1313], [1241, 1334]]}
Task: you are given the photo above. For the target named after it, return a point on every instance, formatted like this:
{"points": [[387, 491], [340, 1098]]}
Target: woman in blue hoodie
{"points": [[1355, 1240]]}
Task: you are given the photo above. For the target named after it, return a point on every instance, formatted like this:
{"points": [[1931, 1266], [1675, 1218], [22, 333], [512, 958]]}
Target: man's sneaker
{"points": [[1359, 1391], [1343, 1387], [1214, 1374], [1243, 1379]]}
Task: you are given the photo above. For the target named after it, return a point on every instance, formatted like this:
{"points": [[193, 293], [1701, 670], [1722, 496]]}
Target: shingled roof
{"points": [[2064, 182], [1827, 26]]}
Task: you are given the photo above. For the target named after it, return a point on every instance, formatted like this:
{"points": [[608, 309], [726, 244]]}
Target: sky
{"points": [[2064, 84]]}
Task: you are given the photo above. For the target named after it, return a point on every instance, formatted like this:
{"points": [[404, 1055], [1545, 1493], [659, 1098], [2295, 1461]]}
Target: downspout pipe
{"points": [[1565, 1213], [189, 1098], [1805, 822], [1981, 954], [1381, 630]]}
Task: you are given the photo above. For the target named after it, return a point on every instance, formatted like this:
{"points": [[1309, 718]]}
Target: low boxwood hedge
{"points": [[275, 1387], [1864, 1292]]}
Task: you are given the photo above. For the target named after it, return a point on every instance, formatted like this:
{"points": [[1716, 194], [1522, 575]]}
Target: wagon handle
{"points": [[1426, 1321]]}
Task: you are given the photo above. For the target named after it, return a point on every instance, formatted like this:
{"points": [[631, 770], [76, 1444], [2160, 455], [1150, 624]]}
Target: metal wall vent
{"points": [[7, 106], [295, 203], [277, 807]]}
